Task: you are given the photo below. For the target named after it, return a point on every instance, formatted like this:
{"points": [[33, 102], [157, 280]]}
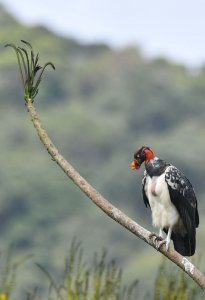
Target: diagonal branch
{"points": [[28, 70], [105, 205]]}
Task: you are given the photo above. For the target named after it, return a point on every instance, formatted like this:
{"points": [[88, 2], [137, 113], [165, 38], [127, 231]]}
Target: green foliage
{"points": [[99, 281], [8, 273], [174, 284], [29, 68]]}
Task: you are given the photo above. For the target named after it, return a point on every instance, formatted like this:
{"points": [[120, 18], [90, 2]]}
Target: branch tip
{"points": [[29, 68]]}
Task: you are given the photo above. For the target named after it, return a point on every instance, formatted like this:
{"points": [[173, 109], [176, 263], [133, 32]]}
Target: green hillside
{"points": [[98, 106]]}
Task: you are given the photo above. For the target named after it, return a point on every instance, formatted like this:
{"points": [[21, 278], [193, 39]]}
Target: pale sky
{"points": [[172, 28]]}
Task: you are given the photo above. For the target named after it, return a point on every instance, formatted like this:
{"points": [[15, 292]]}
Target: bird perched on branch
{"points": [[172, 200]]}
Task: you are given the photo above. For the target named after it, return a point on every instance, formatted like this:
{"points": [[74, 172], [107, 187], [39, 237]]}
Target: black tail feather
{"points": [[186, 244]]}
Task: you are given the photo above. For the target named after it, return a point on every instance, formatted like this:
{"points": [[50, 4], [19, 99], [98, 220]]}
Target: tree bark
{"points": [[106, 206]]}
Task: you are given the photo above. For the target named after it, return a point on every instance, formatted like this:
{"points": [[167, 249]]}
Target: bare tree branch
{"points": [[106, 206], [29, 70]]}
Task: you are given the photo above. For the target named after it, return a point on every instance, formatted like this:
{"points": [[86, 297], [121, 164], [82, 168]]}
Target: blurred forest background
{"points": [[98, 107]]}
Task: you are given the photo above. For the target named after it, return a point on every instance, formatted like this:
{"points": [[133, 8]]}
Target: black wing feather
{"points": [[183, 197], [146, 201]]}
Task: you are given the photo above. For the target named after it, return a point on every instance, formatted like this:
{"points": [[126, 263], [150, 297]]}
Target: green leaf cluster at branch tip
{"points": [[29, 69]]}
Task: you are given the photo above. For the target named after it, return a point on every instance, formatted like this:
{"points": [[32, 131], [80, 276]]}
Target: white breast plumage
{"points": [[164, 213]]}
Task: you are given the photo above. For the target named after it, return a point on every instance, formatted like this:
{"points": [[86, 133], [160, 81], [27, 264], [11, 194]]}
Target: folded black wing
{"points": [[144, 189], [183, 197]]}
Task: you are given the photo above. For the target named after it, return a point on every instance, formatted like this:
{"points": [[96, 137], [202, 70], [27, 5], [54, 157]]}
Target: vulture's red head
{"points": [[144, 154]]}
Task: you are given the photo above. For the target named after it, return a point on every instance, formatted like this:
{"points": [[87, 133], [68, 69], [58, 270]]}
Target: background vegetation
{"points": [[98, 106]]}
